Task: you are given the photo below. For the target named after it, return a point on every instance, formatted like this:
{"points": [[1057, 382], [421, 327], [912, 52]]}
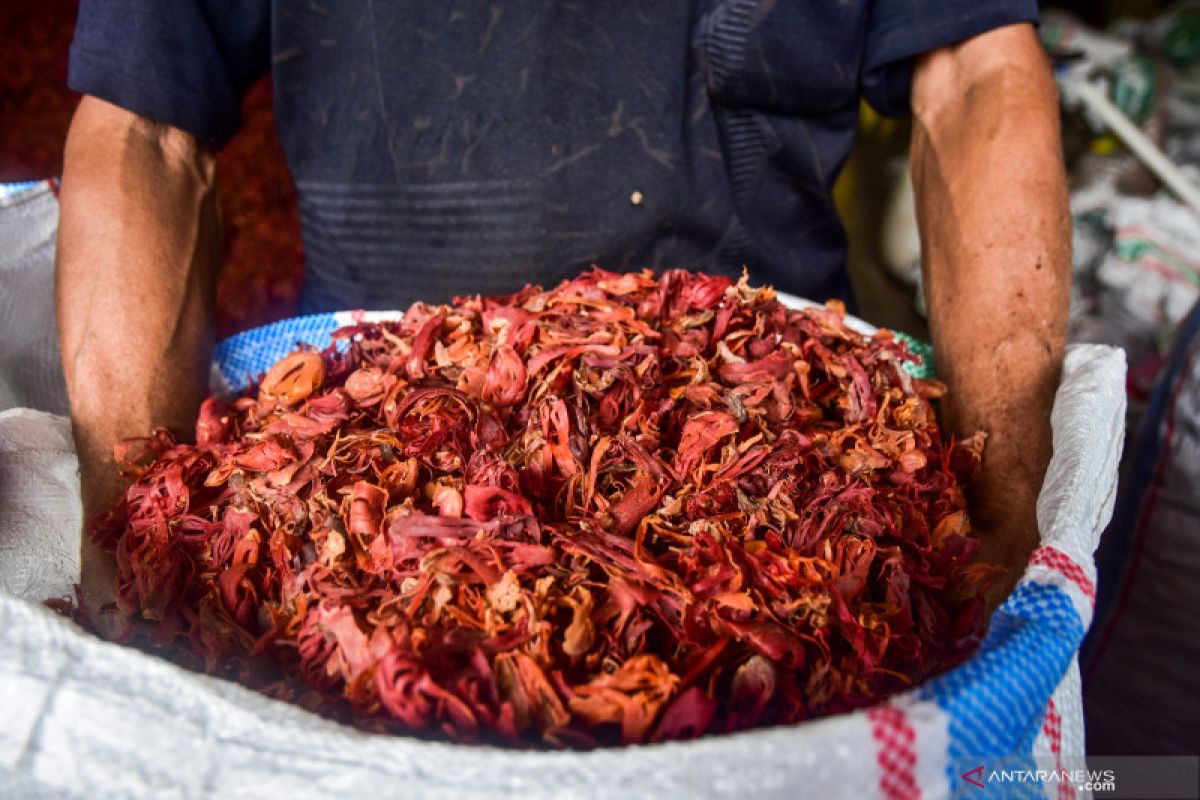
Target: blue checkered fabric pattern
{"points": [[996, 699], [13, 189], [243, 358]]}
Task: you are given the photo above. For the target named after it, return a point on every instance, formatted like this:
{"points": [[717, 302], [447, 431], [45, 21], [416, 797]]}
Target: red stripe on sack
{"points": [[1060, 562], [897, 755], [1053, 730]]}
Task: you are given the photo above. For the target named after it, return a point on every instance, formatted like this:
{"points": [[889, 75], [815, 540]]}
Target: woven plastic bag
{"points": [[84, 718], [30, 374]]}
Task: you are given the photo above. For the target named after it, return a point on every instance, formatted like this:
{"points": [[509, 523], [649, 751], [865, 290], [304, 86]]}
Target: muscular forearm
{"points": [[137, 253], [995, 230]]}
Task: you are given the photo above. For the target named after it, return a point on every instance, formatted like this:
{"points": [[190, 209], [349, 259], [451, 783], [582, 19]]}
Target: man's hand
{"points": [[995, 230], [138, 242]]}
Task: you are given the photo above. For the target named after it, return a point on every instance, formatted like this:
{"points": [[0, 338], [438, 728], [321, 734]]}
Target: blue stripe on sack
{"points": [[242, 358], [11, 189], [995, 699]]}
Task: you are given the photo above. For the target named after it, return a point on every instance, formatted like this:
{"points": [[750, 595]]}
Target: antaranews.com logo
{"points": [[1062, 775], [1081, 780]]}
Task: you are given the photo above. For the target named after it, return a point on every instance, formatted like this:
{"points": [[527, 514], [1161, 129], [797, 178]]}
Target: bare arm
{"points": [[995, 230], [138, 243]]}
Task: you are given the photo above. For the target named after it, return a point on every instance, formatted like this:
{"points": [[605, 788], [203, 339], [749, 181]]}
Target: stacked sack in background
{"points": [[1137, 279], [1137, 244]]}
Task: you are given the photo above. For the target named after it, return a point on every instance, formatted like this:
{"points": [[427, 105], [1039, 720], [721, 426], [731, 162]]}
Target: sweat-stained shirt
{"points": [[454, 147]]}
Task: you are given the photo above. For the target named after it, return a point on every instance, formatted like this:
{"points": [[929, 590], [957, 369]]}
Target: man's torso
{"points": [[464, 147]]}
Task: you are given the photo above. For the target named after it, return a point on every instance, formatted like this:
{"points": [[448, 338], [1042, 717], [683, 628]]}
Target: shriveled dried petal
{"points": [[446, 499], [369, 385], [504, 384], [580, 634], [293, 379], [630, 697]]}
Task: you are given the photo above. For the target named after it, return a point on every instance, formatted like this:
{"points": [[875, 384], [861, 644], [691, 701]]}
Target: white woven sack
{"points": [[30, 374], [84, 718]]}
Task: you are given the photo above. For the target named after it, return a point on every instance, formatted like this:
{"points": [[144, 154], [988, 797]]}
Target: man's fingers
{"points": [[98, 589]]}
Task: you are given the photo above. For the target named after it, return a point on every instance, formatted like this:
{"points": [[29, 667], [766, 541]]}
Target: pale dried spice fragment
{"points": [[442, 596], [728, 355], [505, 595], [446, 498], [442, 355], [912, 460], [335, 547]]}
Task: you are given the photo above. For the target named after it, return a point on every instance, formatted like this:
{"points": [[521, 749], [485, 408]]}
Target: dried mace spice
{"points": [[627, 509]]}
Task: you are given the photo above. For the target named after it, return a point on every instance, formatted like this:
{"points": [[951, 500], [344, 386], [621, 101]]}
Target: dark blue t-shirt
{"points": [[458, 147]]}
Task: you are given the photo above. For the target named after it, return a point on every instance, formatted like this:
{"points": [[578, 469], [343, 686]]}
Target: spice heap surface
{"points": [[626, 509]]}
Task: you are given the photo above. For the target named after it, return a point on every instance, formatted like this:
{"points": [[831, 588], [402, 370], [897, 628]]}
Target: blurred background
{"points": [[263, 261], [1129, 74]]}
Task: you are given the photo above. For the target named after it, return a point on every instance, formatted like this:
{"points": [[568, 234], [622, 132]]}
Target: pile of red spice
{"points": [[627, 509]]}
